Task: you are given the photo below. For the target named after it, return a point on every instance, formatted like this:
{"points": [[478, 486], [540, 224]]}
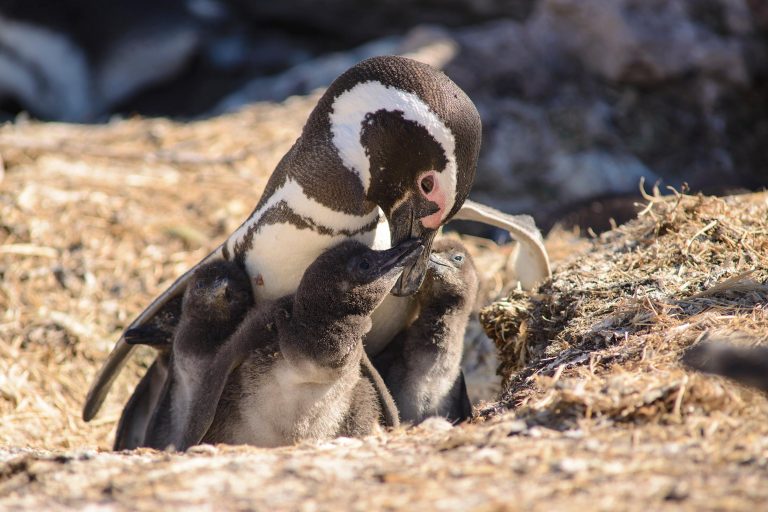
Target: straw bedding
{"points": [[596, 410]]}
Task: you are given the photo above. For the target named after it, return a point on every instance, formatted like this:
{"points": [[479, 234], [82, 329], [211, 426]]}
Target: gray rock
{"points": [[579, 98], [303, 78], [588, 174], [643, 42], [426, 44], [353, 22], [76, 61], [584, 97], [479, 364]]}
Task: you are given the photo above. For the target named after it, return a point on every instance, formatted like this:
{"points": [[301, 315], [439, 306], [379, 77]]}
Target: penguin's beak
{"points": [[438, 264], [404, 224], [400, 256], [413, 274]]}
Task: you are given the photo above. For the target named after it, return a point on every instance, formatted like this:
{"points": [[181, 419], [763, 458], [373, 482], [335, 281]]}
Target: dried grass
{"points": [[94, 221], [604, 338]]}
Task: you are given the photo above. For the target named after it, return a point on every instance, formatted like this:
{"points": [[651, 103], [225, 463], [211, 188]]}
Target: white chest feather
{"points": [[285, 408], [393, 315], [280, 252]]}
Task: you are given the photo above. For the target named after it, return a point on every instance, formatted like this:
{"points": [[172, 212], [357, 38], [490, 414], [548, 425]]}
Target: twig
{"points": [[29, 250], [676, 411], [734, 283], [580, 356], [697, 234], [651, 199]]}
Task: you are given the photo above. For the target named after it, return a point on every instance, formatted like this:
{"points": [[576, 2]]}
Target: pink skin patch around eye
{"points": [[437, 196]]}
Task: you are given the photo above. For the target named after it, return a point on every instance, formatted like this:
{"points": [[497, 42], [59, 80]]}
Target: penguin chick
{"points": [[304, 380], [746, 365], [422, 366], [213, 306]]}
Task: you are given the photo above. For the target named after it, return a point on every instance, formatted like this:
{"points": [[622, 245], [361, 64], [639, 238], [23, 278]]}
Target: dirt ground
{"points": [[597, 412]]}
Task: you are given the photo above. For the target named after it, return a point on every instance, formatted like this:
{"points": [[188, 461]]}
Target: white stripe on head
{"points": [[348, 113]]}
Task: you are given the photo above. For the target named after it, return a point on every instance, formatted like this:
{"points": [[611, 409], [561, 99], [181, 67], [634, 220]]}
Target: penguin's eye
{"points": [[364, 264], [427, 184], [458, 258]]}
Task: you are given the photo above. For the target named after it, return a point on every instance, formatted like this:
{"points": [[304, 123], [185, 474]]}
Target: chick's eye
{"points": [[364, 264], [458, 258]]}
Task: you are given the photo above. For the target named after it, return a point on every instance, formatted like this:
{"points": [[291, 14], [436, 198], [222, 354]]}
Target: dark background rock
{"points": [[353, 22], [587, 96], [579, 98]]}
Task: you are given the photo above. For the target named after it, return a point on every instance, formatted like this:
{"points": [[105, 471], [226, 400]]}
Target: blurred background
{"points": [[579, 98]]}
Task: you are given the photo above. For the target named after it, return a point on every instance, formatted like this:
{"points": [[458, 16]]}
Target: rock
{"points": [[78, 61], [579, 98], [590, 173], [592, 95], [643, 42], [479, 364], [354, 22], [303, 78], [426, 44]]}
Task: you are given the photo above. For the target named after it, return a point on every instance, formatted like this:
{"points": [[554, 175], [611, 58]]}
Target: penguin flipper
{"points": [[131, 429], [532, 263], [461, 409], [389, 411], [122, 350], [745, 365], [159, 424], [186, 409], [148, 335]]}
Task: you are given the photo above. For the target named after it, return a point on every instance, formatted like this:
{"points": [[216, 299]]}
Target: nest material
{"points": [[604, 337], [94, 221]]}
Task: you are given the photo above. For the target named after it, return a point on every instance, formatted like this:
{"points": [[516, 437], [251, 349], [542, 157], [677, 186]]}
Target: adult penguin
{"points": [[389, 153]]}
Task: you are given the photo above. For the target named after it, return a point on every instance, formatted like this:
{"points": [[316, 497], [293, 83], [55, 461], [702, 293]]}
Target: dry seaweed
{"points": [[94, 221], [604, 337]]}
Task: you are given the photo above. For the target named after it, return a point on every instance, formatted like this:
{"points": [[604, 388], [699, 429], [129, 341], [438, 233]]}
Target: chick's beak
{"points": [[438, 264], [398, 257]]}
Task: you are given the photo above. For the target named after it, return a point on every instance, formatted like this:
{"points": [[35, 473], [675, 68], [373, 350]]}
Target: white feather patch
{"points": [[286, 407], [293, 194], [281, 252], [347, 116], [382, 239]]}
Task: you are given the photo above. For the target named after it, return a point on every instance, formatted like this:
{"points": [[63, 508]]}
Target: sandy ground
{"points": [[501, 465], [95, 221]]}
